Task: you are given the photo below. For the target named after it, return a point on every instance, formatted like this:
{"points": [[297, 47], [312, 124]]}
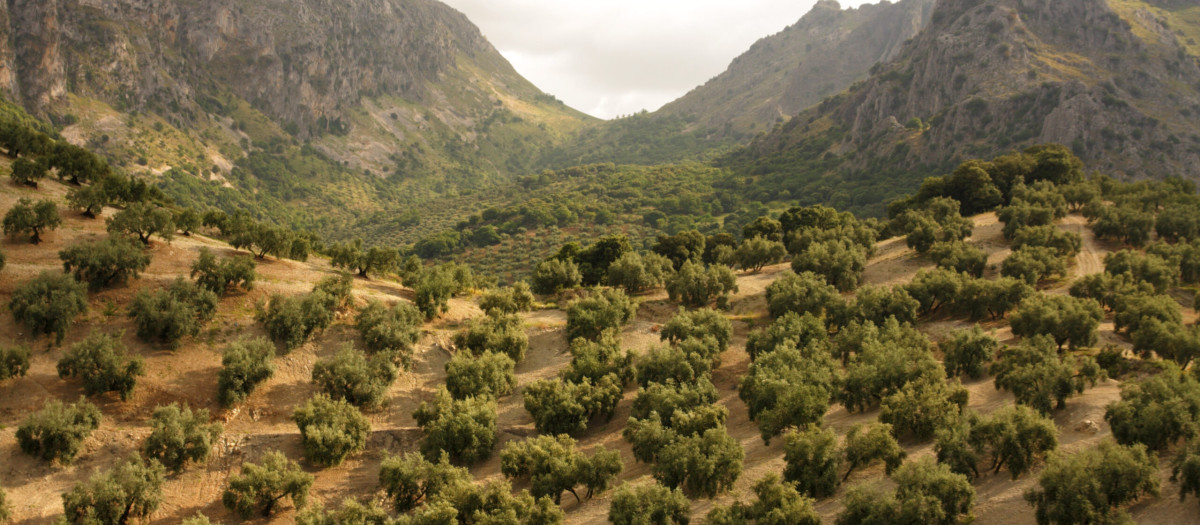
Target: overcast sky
{"points": [[617, 57]]}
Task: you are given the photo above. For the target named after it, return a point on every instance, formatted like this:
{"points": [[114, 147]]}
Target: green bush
{"points": [[179, 435], [812, 461], [100, 361], [352, 376], [244, 365], [143, 220], [464, 429], [14, 362], [130, 491], [1091, 486], [261, 486], [649, 504], [101, 263], [166, 316], [390, 331], [601, 310], [57, 430], [487, 375], [553, 465], [5, 509], [48, 304], [25, 217], [224, 276], [504, 334], [330, 430], [513, 299]]}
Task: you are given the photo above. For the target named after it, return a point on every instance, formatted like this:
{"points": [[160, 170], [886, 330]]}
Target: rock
{"points": [[1088, 426]]}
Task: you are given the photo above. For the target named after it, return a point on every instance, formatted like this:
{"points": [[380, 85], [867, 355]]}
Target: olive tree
{"points": [[565, 407], [801, 293], [601, 310], [330, 430], [866, 444], [649, 504], [968, 352], [788, 387], [48, 304], [553, 275], [1067, 320], [179, 435], [57, 430], [791, 328], [27, 172], [167, 315], [500, 333], [391, 331], [926, 492], [812, 460], [14, 362], [25, 217], [1156, 411], [90, 200], [143, 220], [697, 286], [102, 263], [959, 257], [509, 300], [130, 491], [244, 365], [1015, 437], [410, 479], [755, 253], [777, 503], [260, 487], [100, 361], [1039, 378], [705, 464], [487, 375], [840, 262], [1033, 264], [553, 465], [637, 273], [923, 406], [223, 276], [465, 429], [1091, 486], [1185, 470], [352, 376]]}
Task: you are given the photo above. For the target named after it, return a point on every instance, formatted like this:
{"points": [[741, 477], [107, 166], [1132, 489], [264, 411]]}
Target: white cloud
{"points": [[616, 57]]}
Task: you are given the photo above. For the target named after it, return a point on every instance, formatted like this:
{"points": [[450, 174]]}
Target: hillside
{"points": [[337, 107], [779, 76], [189, 372], [1117, 81]]}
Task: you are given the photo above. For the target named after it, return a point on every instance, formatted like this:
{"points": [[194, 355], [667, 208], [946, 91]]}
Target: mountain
{"points": [[824, 52], [241, 91], [1117, 81]]}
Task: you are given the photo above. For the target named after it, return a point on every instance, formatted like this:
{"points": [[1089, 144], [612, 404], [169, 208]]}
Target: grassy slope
{"points": [[188, 374]]}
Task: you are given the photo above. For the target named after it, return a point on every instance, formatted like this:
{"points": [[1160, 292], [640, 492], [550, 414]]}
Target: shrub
{"points": [[5, 509], [1090, 486], [486, 375], [244, 365], [812, 461], [57, 430], [351, 376], [100, 361], [34, 219], [649, 504], [565, 407], [637, 273], [464, 429], [261, 486], [553, 465], [224, 276], [777, 503], [390, 331], [290, 321], [179, 435], [330, 430], [168, 315], [801, 293], [143, 220], [101, 263], [410, 479], [435, 286], [48, 304], [552, 276], [968, 352], [1036, 375], [503, 334], [602, 310], [130, 491], [14, 362], [514, 299], [704, 464], [870, 443], [1014, 436]]}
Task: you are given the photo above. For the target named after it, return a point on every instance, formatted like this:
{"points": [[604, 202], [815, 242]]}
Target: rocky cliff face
{"points": [[1115, 83], [820, 55], [301, 62]]}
